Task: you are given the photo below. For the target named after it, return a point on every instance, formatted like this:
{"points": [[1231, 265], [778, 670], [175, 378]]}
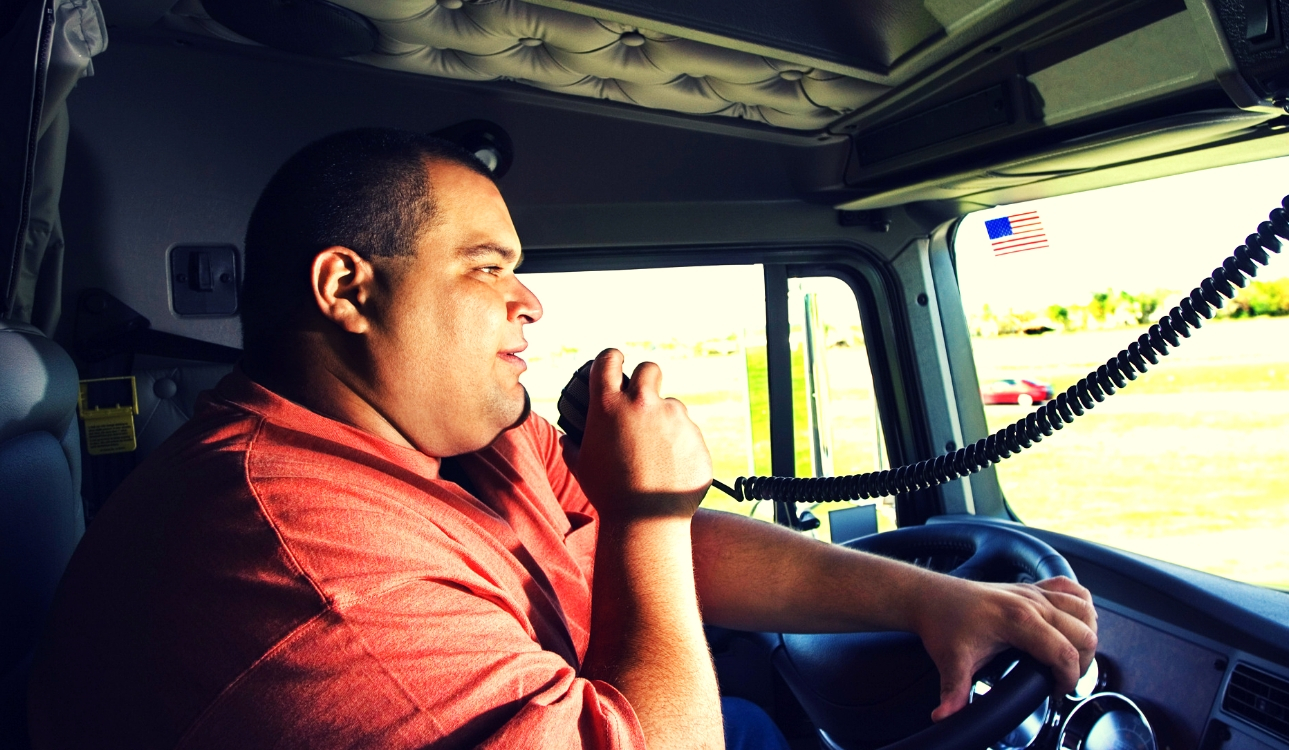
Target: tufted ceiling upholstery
{"points": [[513, 40]]}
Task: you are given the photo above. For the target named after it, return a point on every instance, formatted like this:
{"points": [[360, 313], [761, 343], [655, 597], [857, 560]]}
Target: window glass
{"points": [[1189, 463], [837, 431], [704, 326]]}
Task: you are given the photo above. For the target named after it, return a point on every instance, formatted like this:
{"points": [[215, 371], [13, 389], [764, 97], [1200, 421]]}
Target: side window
{"points": [[705, 327], [836, 429], [1190, 462]]}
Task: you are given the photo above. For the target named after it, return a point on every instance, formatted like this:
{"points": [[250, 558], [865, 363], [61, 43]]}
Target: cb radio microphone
{"points": [[575, 400]]}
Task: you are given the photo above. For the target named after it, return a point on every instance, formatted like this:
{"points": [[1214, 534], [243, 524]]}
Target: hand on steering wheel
{"points": [[969, 623], [875, 690]]}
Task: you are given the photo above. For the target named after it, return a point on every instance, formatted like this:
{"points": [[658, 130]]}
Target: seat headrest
{"points": [[40, 383]]}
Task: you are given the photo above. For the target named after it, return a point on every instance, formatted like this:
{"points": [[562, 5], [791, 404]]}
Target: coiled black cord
{"points": [[1202, 304]]}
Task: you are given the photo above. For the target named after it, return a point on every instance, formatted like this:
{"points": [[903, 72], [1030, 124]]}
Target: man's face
{"points": [[449, 330]]}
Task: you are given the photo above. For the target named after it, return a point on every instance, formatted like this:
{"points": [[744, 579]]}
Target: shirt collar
{"points": [[238, 390]]}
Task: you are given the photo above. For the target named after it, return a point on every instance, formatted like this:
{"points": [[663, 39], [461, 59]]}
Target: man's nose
{"points": [[523, 304]]}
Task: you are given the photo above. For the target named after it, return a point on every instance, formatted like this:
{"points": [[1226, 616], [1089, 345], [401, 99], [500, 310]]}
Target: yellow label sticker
{"points": [[108, 406], [110, 431]]}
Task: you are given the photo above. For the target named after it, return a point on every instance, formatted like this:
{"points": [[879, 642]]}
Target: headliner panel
{"points": [[570, 53], [841, 35]]}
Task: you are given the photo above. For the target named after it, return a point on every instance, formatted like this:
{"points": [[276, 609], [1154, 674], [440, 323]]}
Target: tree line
{"points": [[1113, 309]]}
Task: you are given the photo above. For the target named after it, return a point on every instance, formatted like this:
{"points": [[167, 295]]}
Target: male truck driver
{"points": [[364, 539]]}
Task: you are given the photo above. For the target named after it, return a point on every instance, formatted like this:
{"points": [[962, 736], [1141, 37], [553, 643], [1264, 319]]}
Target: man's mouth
{"points": [[512, 356]]}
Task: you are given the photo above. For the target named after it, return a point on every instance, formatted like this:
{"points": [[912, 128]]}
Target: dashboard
{"points": [[1203, 657]]}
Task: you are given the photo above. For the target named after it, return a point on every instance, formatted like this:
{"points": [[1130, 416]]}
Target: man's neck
{"points": [[320, 383]]}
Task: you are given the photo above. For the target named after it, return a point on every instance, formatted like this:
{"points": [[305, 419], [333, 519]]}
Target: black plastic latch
{"points": [[1259, 22], [203, 279]]}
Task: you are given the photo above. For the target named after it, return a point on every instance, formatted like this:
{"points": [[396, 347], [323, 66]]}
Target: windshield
{"points": [[1189, 463]]}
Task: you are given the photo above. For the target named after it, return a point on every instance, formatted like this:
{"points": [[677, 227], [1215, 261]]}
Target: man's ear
{"points": [[342, 285]]}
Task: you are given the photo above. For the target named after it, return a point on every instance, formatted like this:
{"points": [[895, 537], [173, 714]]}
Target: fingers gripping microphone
{"points": [[575, 401]]}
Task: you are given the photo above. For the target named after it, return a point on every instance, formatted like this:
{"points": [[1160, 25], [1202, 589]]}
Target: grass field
{"points": [[1189, 464]]}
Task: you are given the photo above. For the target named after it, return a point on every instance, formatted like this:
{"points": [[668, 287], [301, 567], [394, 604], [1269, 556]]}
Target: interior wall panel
{"points": [[173, 139]]}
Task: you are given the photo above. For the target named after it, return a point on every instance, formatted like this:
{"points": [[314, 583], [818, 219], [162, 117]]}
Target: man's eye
{"points": [[492, 270]]}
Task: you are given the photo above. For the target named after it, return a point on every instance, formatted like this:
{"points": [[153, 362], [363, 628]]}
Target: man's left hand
{"points": [[756, 576], [964, 624]]}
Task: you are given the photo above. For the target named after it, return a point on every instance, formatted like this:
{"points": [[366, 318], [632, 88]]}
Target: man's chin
{"points": [[524, 412]]}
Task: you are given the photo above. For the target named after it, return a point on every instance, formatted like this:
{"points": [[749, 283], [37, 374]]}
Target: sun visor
{"points": [[1161, 137]]}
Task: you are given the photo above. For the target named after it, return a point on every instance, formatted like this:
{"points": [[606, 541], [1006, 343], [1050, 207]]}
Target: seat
{"points": [[168, 390], [41, 517]]}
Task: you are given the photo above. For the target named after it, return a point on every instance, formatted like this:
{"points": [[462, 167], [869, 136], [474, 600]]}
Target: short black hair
{"points": [[366, 189]]}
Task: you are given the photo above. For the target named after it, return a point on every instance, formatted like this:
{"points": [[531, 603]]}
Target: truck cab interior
{"points": [[769, 145]]}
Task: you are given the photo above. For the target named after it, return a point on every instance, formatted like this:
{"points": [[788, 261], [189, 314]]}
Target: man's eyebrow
{"points": [[490, 250]]}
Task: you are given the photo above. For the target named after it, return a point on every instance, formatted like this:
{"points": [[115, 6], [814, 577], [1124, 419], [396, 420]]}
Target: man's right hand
{"points": [[641, 457], [644, 466]]}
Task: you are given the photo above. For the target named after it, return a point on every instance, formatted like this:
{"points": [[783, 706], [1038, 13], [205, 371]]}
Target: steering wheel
{"points": [[876, 690]]}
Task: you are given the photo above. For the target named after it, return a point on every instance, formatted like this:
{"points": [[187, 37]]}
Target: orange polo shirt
{"points": [[273, 578]]}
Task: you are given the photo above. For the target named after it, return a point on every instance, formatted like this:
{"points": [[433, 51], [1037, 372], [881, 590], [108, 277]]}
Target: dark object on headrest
{"points": [[306, 27]]}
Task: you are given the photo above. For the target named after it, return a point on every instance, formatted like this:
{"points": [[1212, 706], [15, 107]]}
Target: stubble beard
{"points": [[524, 413]]}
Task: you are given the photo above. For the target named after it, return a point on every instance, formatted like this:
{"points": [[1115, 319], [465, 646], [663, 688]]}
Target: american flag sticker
{"points": [[1016, 233]]}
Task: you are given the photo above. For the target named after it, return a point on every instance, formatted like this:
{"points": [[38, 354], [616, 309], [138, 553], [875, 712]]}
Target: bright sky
{"points": [[1161, 234], [593, 310]]}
